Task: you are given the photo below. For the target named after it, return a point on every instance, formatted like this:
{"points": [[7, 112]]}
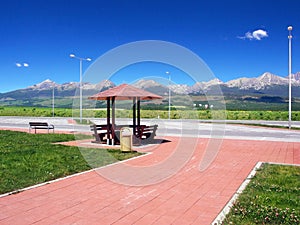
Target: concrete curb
{"points": [[219, 219], [222, 215]]}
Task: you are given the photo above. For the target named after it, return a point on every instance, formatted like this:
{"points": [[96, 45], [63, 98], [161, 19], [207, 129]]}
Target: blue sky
{"points": [[234, 38]]}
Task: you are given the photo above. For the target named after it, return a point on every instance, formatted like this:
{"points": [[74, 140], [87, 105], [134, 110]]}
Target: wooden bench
{"points": [[100, 132], [40, 125], [148, 132]]}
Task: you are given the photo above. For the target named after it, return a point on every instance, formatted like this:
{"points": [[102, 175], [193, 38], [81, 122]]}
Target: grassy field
{"points": [[272, 197], [28, 159], [163, 114]]}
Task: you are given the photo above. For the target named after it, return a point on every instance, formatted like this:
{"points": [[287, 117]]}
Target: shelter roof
{"points": [[125, 92]]}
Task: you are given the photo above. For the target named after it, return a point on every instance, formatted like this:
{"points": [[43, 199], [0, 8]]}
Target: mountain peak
{"points": [[269, 79], [215, 81], [267, 75], [46, 84], [296, 76], [146, 83], [104, 85]]}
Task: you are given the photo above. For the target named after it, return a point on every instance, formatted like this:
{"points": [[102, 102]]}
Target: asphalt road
{"points": [[189, 128]]}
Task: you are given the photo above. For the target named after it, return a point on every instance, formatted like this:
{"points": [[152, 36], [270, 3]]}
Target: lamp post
{"points": [[53, 101], [290, 28], [80, 81], [168, 73]]}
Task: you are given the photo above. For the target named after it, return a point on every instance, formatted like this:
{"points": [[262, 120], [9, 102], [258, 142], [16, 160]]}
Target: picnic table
{"points": [[106, 133]]}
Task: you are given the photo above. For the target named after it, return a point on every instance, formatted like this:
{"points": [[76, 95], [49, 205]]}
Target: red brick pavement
{"points": [[187, 197]]}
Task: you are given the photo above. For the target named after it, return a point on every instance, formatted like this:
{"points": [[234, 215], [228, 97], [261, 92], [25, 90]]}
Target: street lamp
{"points": [[168, 73], [290, 28], [53, 100], [80, 81]]}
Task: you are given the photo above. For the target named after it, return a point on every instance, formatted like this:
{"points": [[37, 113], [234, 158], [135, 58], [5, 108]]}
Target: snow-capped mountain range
{"points": [[262, 82], [49, 84], [266, 84], [256, 83], [267, 79]]}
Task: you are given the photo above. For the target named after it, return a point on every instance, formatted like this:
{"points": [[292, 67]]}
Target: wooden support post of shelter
{"points": [[113, 122], [108, 119]]}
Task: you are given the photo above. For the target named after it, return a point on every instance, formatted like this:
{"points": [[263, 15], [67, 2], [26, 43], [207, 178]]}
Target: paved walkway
{"points": [[187, 197]]}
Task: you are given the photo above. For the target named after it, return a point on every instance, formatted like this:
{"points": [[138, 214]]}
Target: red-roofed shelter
{"points": [[123, 92]]}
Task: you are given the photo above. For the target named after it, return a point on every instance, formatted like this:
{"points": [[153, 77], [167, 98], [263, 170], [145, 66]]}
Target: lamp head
{"points": [[72, 55], [88, 59], [290, 28]]}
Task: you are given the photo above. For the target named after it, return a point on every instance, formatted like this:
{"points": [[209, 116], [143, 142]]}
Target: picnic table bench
{"points": [[148, 132], [40, 125], [100, 132]]}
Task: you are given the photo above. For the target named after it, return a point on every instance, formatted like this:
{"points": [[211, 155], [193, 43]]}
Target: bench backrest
{"points": [[35, 124], [95, 127], [150, 128]]}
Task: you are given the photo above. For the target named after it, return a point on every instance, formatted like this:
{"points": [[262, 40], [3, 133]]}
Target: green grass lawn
{"points": [[272, 197], [28, 159]]}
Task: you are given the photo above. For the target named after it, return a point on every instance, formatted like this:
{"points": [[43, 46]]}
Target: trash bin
{"points": [[126, 139]]}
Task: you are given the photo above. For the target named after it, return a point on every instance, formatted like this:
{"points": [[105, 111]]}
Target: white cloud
{"points": [[259, 34], [256, 35], [22, 64]]}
